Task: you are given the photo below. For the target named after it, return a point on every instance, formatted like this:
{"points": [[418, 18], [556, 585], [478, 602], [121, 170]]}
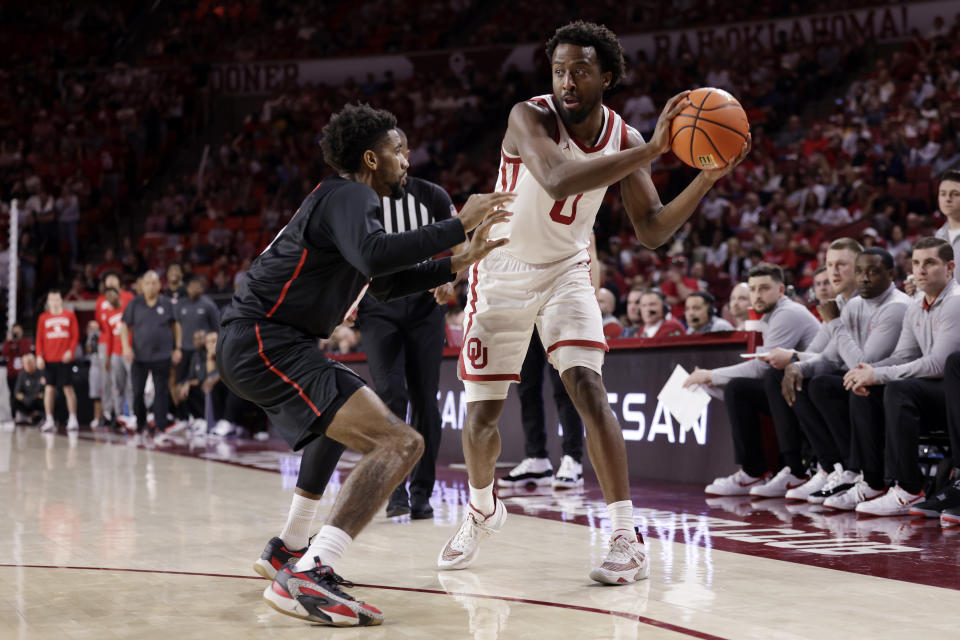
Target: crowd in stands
{"points": [[865, 169]]}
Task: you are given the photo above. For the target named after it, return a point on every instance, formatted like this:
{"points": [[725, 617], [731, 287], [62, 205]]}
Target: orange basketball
{"points": [[711, 131]]}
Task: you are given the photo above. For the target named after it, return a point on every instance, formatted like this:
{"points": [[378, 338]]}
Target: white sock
{"points": [[482, 499], [296, 533], [49, 417], [72, 418], [621, 515], [329, 545]]}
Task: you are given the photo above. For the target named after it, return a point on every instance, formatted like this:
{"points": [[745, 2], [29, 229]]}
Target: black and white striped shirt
{"points": [[422, 203]]}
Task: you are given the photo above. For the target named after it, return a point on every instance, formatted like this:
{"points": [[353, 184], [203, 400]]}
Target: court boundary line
{"points": [[652, 622]]}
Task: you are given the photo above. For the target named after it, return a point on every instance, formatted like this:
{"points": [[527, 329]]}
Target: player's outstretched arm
{"points": [[653, 222], [530, 131]]}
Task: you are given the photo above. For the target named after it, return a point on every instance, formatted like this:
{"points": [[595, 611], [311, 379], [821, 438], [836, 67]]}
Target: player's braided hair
{"points": [[351, 131], [605, 43]]}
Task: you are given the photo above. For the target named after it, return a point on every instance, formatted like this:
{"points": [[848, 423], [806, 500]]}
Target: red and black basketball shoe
{"points": [[274, 556], [317, 595]]}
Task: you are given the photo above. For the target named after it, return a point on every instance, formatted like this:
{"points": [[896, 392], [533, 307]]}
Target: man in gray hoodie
{"points": [[899, 395], [866, 330], [784, 324]]}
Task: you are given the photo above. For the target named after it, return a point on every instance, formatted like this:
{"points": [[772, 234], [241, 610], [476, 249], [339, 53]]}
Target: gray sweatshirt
{"points": [[824, 335], [927, 338], [715, 324], [789, 325], [866, 331], [944, 232]]}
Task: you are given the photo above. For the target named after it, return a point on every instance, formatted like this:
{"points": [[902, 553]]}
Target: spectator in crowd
{"points": [[175, 289], [14, 348], [28, 391], [897, 397], [608, 305], [949, 199], [822, 288], [784, 324], [156, 346], [701, 314], [536, 468], [57, 336], [116, 367], [866, 331], [739, 306], [196, 313], [648, 315], [677, 285]]}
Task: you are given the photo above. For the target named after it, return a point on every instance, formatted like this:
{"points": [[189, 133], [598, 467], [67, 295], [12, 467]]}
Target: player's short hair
{"points": [[953, 175], [603, 40], [766, 269], [885, 258], [944, 250], [707, 297], [846, 243], [351, 131]]}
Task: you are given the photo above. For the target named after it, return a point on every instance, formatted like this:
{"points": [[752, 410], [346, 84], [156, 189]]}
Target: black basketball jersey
{"points": [[317, 267]]}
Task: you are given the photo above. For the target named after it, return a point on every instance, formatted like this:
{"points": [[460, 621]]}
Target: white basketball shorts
{"points": [[506, 299]]}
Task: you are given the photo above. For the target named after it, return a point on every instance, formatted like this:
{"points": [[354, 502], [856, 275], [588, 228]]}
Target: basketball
{"points": [[711, 131]]}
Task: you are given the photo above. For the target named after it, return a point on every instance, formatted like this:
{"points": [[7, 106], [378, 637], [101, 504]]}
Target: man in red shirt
{"points": [[57, 337], [116, 367], [102, 312], [647, 311], [677, 285]]}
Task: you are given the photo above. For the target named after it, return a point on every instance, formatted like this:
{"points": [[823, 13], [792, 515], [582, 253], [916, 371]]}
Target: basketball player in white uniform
{"points": [[559, 155]]}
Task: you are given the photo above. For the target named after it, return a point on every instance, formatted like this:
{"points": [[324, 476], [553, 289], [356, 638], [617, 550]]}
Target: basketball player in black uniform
{"points": [[403, 340], [299, 289]]}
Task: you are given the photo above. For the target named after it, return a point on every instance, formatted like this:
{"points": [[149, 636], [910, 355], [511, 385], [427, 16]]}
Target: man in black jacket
{"points": [[304, 284]]}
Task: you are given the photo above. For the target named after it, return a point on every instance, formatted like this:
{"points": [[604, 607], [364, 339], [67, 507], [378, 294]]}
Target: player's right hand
{"points": [[479, 246], [481, 205], [660, 140]]}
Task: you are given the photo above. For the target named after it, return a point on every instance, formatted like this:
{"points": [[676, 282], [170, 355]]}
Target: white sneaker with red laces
{"points": [[849, 499], [778, 485], [895, 502], [736, 484], [464, 546], [625, 562]]}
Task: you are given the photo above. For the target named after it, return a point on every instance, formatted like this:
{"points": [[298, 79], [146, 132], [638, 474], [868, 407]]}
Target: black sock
{"points": [[874, 479], [910, 487]]}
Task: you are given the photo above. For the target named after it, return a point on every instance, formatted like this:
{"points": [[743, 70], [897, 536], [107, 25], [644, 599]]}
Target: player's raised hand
{"points": [[716, 174], [479, 245], [660, 140], [481, 205]]}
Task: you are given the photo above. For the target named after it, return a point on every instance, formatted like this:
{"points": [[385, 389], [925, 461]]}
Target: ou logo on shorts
{"points": [[476, 353]]}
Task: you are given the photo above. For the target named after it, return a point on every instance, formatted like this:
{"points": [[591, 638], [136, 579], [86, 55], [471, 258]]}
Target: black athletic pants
{"points": [[789, 435], [823, 410], [161, 376], [403, 340], [193, 405], [911, 406], [951, 388], [530, 391]]}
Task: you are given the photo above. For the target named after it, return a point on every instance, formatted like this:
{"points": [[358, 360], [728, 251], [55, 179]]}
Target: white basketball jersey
{"points": [[542, 229]]}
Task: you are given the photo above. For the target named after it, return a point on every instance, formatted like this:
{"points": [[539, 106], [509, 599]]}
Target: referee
{"points": [[403, 340]]}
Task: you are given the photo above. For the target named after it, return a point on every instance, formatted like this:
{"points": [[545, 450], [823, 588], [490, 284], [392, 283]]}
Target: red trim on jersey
{"points": [[507, 160], [472, 377], [503, 174], [283, 293], [272, 368], [603, 139], [516, 174], [578, 343]]}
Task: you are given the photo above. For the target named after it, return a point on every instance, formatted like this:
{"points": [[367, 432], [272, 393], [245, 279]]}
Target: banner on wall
{"points": [[878, 24], [657, 446]]}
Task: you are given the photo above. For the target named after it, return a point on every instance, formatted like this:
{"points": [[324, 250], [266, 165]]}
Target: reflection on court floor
{"points": [[104, 539]]}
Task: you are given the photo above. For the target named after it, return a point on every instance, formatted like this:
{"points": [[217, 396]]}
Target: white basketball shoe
{"points": [[625, 562], [462, 549]]}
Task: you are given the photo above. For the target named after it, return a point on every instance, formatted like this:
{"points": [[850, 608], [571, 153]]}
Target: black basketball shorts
{"points": [[281, 370]]}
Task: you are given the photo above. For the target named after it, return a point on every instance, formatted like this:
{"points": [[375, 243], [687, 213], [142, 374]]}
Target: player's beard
{"points": [[396, 190], [578, 115]]}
